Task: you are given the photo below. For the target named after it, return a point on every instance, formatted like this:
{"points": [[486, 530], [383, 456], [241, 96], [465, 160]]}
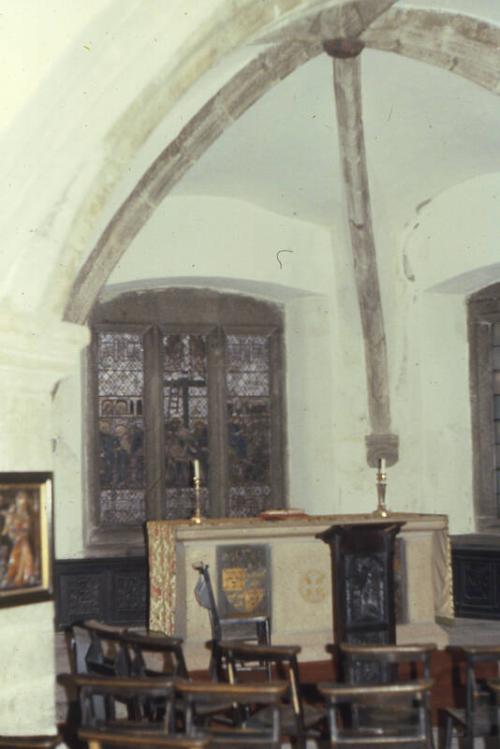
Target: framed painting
{"points": [[26, 539]]}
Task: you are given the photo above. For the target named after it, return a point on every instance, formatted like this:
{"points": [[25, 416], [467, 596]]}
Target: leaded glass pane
{"points": [[121, 428], [180, 502], [496, 333], [248, 501], [185, 411], [122, 507], [248, 414]]}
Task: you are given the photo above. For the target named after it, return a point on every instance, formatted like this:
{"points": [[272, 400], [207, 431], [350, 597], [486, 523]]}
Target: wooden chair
{"points": [[245, 628], [154, 655], [297, 719], [99, 739], [231, 727], [30, 742], [387, 664], [95, 648], [127, 695], [479, 718], [365, 664], [351, 731]]}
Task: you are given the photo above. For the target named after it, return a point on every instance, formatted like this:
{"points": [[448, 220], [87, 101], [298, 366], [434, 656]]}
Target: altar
{"points": [[298, 592]]}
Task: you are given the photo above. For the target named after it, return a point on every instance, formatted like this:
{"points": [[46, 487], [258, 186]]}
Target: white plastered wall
{"points": [[452, 251], [38, 213]]}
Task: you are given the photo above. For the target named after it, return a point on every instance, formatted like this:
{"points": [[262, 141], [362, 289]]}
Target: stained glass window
{"points": [[185, 409], [201, 387], [248, 423], [120, 384]]}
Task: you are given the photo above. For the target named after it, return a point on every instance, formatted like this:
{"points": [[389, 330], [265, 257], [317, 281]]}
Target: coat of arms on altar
{"points": [[244, 579]]}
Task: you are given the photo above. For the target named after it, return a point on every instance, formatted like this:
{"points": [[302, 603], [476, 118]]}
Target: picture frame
{"points": [[26, 538]]}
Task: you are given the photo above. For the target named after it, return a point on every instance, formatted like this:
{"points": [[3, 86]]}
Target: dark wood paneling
{"points": [[476, 576], [113, 590], [362, 571]]}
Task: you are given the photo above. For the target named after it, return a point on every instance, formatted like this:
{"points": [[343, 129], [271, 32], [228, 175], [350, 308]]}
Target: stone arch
{"points": [[432, 36]]}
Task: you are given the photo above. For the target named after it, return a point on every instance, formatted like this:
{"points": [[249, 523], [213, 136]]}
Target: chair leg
{"points": [[448, 732]]}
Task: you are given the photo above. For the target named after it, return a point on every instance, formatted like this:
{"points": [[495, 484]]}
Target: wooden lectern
{"points": [[362, 558]]}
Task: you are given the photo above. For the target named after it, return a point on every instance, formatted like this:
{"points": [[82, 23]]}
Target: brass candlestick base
{"points": [[382, 511], [196, 517]]}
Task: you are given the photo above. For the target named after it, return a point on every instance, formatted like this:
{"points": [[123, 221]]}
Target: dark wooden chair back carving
{"points": [[203, 699], [351, 730], [479, 718]]}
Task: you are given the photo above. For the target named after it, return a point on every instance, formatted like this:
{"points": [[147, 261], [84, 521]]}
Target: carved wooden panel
{"points": [[113, 590], [476, 576], [364, 603], [365, 589]]}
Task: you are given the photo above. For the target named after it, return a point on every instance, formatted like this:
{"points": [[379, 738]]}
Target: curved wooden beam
{"points": [[348, 100]]}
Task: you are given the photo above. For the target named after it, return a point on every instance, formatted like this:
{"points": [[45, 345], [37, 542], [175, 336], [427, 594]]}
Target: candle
{"points": [[381, 465], [196, 470]]}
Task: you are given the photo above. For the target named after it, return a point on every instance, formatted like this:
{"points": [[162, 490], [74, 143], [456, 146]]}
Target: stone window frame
{"points": [[483, 311], [177, 310]]}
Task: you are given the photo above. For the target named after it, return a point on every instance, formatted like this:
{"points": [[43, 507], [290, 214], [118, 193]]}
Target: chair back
{"points": [[351, 730], [480, 698], [205, 597], [274, 661], [203, 699], [134, 694], [96, 649], [154, 655], [369, 664]]}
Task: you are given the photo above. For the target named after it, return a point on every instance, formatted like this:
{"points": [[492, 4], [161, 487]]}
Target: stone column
{"points": [[36, 351]]}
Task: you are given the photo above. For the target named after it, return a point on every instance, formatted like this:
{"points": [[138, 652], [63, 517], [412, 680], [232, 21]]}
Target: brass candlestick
{"points": [[381, 511], [196, 518]]}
